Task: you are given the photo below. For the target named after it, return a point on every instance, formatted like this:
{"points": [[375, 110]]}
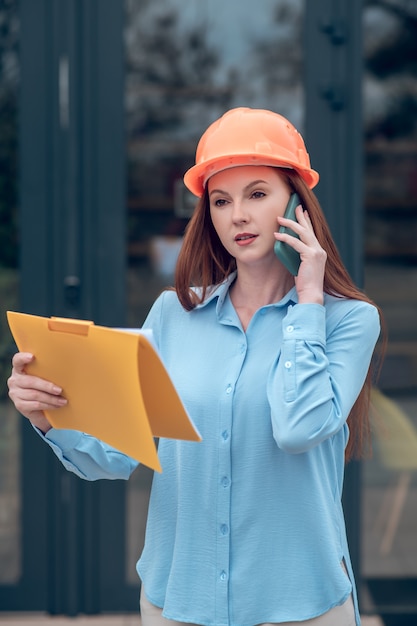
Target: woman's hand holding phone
{"points": [[298, 249]]}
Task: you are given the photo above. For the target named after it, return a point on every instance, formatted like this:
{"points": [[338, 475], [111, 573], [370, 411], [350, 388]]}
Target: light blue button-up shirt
{"points": [[247, 526]]}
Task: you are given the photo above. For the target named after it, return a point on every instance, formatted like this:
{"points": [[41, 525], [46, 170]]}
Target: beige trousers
{"points": [[343, 615]]}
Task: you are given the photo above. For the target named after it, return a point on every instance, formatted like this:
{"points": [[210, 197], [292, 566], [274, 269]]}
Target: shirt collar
{"points": [[218, 291], [221, 292]]}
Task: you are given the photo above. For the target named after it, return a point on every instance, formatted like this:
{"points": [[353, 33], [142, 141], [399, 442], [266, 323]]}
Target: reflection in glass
{"points": [[390, 477], [185, 68]]}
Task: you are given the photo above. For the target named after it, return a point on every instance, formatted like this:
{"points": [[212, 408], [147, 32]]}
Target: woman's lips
{"points": [[244, 239]]}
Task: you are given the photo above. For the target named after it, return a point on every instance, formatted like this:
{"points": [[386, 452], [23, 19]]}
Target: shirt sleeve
{"points": [[88, 457], [319, 373]]}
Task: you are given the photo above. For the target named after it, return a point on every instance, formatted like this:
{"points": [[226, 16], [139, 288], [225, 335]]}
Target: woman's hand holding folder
{"points": [[32, 395]]}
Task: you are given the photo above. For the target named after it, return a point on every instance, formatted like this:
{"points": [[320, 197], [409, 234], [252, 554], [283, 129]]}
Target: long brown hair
{"points": [[203, 262]]}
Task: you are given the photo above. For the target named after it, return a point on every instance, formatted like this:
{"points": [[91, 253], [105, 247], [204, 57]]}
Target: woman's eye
{"points": [[220, 202], [258, 194]]}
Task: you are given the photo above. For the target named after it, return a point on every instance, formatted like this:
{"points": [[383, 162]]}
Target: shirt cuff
{"points": [[306, 322], [63, 438]]}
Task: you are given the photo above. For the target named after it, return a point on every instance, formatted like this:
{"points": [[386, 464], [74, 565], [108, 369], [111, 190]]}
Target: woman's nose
{"points": [[239, 214]]}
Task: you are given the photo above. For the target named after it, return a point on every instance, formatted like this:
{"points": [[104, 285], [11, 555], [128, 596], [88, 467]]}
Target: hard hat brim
{"points": [[196, 177]]}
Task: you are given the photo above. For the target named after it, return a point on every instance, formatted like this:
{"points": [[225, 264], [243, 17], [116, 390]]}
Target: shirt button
{"points": [[223, 575], [225, 481], [229, 389], [287, 365], [290, 329], [224, 529], [225, 435]]}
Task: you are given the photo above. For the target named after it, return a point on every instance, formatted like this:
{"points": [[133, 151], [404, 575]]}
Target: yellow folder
{"points": [[117, 387]]}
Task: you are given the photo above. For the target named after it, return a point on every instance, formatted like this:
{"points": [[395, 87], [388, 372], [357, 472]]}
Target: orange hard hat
{"points": [[246, 136]]}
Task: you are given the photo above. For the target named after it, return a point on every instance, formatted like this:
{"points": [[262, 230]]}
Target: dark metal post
{"points": [[72, 229]]}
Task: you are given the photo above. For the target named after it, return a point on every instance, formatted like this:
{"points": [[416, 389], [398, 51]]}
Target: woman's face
{"points": [[244, 205]]}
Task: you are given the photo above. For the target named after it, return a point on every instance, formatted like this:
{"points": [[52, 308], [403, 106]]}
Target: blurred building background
{"points": [[101, 105]]}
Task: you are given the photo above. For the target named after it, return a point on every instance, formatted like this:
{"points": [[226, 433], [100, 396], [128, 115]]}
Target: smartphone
{"points": [[287, 255]]}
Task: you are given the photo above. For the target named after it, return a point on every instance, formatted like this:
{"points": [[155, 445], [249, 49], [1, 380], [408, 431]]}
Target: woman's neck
{"points": [[252, 290]]}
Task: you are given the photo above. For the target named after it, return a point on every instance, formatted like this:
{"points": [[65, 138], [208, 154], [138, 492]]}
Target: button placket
{"points": [[223, 509], [225, 481]]}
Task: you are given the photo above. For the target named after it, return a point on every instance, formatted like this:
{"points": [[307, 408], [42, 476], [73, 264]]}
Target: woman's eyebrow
{"points": [[220, 191], [254, 183], [246, 188]]}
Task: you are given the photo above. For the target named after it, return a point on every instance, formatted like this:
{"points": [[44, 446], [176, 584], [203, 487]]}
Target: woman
{"points": [[247, 527]]}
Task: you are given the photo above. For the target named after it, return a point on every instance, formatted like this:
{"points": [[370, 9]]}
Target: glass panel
{"points": [[187, 62], [10, 502], [390, 477]]}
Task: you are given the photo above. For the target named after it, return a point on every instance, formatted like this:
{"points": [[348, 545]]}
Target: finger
{"points": [[40, 400], [303, 228], [20, 360], [20, 378], [297, 225], [293, 242], [30, 400], [27, 382], [306, 217], [303, 217]]}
